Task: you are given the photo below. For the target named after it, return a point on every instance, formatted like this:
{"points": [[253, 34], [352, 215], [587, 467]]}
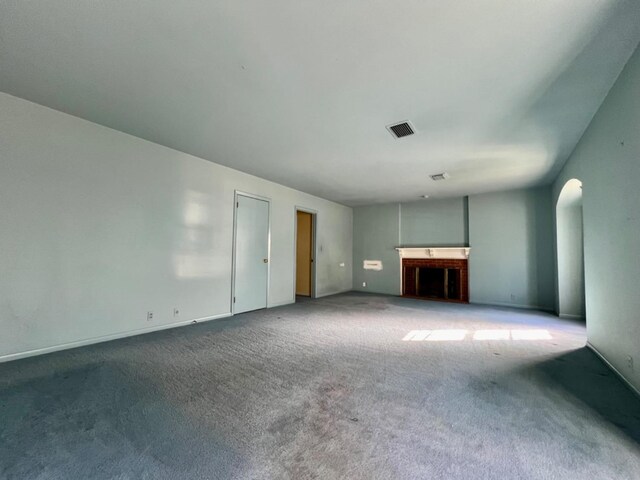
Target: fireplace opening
{"points": [[444, 280], [438, 283], [431, 282]]}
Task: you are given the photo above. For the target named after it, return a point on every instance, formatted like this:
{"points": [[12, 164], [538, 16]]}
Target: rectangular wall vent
{"points": [[402, 129], [439, 176]]}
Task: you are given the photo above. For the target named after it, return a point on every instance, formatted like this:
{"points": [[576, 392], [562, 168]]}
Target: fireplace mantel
{"points": [[434, 252]]}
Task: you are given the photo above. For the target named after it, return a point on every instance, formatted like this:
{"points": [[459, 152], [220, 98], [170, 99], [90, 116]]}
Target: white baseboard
{"points": [[106, 338], [513, 305], [614, 369], [333, 293], [280, 304], [131, 333], [293, 300], [569, 316]]}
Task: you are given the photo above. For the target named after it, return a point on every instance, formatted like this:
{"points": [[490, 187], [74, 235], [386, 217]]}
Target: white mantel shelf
{"points": [[434, 252]]}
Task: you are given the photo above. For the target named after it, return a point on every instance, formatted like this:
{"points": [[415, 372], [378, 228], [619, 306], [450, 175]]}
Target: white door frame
{"points": [[236, 194], [314, 247]]}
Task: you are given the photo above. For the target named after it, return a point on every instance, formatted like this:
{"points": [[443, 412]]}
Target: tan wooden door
{"points": [[304, 256]]}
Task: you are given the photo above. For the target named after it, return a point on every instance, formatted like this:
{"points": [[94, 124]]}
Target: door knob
{"points": [[265, 260]]}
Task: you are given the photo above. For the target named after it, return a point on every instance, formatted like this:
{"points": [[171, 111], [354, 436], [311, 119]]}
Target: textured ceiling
{"points": [[300, 92]]}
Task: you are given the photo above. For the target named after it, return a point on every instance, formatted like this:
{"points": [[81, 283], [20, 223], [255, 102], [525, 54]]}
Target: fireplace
{"points": [[435, 273]]}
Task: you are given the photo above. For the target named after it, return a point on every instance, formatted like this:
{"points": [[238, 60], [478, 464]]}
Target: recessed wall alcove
{"points": [[440, 274]]}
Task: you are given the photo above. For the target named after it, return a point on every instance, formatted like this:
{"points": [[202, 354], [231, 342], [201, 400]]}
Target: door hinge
{"points": [[237, 204], [234, 299]]}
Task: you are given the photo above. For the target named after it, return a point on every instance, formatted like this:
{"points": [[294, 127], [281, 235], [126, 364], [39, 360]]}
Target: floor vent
{"points": [[403, 129]]}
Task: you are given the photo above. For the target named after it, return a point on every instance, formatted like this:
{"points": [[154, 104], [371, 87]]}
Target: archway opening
{"points": [[570, 251]]}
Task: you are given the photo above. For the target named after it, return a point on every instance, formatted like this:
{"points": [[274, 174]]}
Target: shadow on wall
{"points": [[580, 378]]}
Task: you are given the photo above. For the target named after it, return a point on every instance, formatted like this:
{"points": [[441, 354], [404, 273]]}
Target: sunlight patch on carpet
{"points": [[456, 335]]}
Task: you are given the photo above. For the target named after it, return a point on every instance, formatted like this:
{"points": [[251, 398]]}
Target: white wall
{"points": [[435, 222], [511, 261], [376, 233], [510, 235], [570, 261], [379, 229], [607, 161], [99, 227]]}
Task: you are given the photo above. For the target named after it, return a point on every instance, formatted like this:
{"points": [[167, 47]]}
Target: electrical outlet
{"points": [[149, 316], [176, 312], [364, 284], [630, 362]]}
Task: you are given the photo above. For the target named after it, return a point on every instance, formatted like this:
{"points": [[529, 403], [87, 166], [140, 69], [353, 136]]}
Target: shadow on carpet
{"points": [[103, 420], [587, 381]]}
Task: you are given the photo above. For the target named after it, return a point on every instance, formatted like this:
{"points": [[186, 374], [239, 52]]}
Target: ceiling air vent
{"points": [[439, 176], [402, 129]]}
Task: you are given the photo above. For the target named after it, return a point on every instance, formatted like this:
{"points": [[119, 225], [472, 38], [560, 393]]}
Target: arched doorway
{"points": [[570, 260]]}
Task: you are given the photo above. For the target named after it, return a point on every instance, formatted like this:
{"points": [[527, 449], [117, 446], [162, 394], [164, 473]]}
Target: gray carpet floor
{"points": [[326, 389]]}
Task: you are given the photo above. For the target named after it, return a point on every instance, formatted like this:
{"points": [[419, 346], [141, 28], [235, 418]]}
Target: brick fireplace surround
{"points": [[435, 273]]}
